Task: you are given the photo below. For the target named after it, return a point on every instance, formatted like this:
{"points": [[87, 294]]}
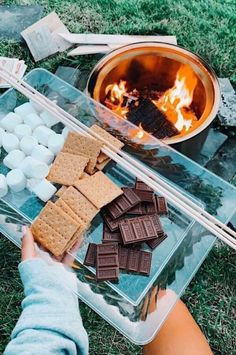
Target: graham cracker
{"points": [[108, 138], [98, 189], [101, 166], [79, 204], [54, 228], [77, 236], [61, 204], [82, 145], [61, 191], [67, 168]]}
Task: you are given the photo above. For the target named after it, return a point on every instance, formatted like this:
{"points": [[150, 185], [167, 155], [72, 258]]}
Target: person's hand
{"points": [[28, 250]]}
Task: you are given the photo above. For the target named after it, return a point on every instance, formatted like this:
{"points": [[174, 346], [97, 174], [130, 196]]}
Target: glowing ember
{"points": [[175, 101]]}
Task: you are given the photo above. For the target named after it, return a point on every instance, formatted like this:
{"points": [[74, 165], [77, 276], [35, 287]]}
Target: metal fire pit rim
{"points": [[214, 80]]}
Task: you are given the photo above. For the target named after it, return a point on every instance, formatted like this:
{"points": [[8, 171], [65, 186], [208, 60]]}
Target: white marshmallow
{"points": [[42, 134], [33, 120], [10, 121], [2, 132], [36, 106], [3, 186], [10, 142], [25, 109], [22, 130], [27, 144], [44, 190], [49, 119], [32, 183], [16, 180], [13, 159], [55, 143], [65, 132], [33, 168], [43, 154]]}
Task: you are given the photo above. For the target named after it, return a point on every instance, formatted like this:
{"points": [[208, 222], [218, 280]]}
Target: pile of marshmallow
{"points": [[32, 145]]}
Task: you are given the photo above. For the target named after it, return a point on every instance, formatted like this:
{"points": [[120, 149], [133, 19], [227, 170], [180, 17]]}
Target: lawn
{"points": [[205, 27]]}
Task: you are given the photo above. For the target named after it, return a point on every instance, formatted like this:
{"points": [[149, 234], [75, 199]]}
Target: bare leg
{"points": [[180, 335]]}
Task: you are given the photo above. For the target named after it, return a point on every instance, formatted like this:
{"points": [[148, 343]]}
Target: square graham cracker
{"points": [[54, 228], [67, 168], [108, 138], [79, 204], [67, 209], [82, 145], [98, 189]]}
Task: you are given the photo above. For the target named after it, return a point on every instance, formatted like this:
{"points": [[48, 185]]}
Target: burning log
{"points": [[152, 120]]}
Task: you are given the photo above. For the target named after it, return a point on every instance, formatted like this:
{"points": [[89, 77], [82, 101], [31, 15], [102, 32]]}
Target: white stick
{"points": [[145, 175], [89, 49], [90, 38]]}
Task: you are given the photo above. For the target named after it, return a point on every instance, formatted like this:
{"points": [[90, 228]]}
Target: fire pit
{"points": [[162, 88]]}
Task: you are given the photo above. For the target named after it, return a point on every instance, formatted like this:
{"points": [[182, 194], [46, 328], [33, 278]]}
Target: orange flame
{"points": [[116, 97], [176, 100], [174, 103]]}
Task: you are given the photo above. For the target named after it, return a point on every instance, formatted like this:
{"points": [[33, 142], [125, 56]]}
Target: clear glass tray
{"points": [[132, 287], [129, 308]]}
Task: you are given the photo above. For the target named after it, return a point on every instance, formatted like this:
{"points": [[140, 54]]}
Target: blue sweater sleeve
{"points": [[50, 322]]}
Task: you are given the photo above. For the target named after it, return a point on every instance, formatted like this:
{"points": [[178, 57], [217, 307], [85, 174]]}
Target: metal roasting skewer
{"points": [[211, 223]]}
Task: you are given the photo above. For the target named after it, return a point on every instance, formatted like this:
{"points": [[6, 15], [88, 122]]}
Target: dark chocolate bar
{"points": [[111, 237], [123, 257], [145, 196], [138, 229], [107, 263], [140, 185], [123, 203], [107, 249], [134, 260], [90, 257], [157, 241], [158, 226], [113, 224], [160, 205], [142, 208], [107, 274]]}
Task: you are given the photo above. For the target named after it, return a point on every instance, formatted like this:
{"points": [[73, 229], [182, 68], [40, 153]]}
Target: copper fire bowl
{"points": [[155, 62]]}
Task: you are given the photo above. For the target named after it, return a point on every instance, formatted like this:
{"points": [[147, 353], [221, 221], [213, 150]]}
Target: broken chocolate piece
{"points": [[157, 241], [137, 229], [140, 185], [113, 225], [90, 258], [145, 196], [158, 226], [160, 205], [111, 237], [123, 203], [142, 209]]}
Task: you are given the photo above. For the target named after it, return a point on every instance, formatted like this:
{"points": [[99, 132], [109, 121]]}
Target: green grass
{"points": [[205, 27]]}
